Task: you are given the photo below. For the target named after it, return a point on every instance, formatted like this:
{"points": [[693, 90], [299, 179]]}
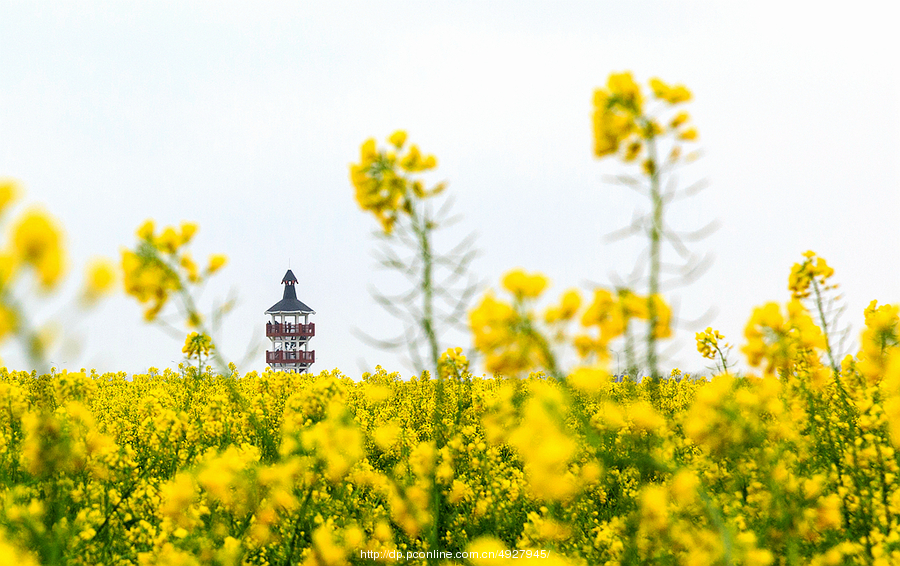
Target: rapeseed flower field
{"points": [[794, 464]]}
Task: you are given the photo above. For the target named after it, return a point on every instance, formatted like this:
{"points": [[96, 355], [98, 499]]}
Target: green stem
{"points": [[544, 346], [630, 362], [655, 252], [422, 229], [189, 305], [722, 357], [715, 515], [192, 309], [824, 324], [295, 534]]}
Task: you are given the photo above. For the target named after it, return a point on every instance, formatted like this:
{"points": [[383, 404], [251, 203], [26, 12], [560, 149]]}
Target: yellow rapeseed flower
{"points": [[177, 495], [383, 180], [689, 134], [168, 240], [663, 328], [633, 150], [589, 380], [37, 241], [8, 321], [10, 554], [9, 192], [187, 262], [679, 119], [645, 418], [7, 268], [567, 309], [145, 230], [684, 487], [196, 345], [671, 94], [188, 229], [623, 87], [216, 262], [708, 342], [99, 280], [659, 88], [612, 125], [619, 121], [505, 335], [812, 270], [149, 281], [678, 93], [397, 139], [453, 363], [523, 285], [654, 508]]}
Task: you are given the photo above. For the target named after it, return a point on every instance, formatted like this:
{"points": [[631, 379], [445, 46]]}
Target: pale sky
{"points": [[244, 117]]}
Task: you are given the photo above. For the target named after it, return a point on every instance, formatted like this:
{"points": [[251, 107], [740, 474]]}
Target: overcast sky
{"points": [[244, 117]]}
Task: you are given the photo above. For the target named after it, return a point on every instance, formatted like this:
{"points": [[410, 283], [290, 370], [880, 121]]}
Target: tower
{"points": [[290, 331]]}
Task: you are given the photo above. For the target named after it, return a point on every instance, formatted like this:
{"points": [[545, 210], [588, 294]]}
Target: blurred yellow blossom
{"points": [[382, 180], [37, 241], [523, 285], [100, 279], [216, 262], [9, 192]]}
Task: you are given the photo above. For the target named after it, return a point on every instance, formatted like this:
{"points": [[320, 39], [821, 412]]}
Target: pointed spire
{"points": [[289, 278], [289, 302]]}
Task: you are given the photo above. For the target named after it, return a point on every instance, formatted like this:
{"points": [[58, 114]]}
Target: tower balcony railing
{"points": [[277, 329], [291, 357]]}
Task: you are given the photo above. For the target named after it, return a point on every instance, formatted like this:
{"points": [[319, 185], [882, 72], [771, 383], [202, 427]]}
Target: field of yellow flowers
{"points": [[794, 465]]}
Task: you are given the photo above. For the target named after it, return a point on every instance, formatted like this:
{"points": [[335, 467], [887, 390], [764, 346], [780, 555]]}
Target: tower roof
{"points": [[289, 303]]}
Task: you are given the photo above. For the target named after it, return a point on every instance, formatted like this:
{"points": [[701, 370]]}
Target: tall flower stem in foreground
{"points": [[389, 184], [625, 126], [814, 272], [160, 266]]}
